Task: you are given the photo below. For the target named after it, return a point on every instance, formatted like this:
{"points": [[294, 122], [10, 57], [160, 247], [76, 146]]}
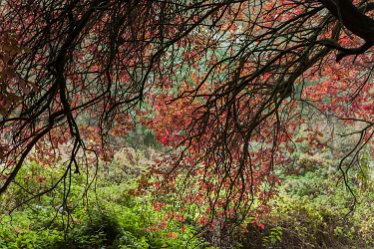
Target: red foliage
{"points": [[224, 84]]}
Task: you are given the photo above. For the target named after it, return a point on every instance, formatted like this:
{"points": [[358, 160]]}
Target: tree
{"points": [[237, 73]]}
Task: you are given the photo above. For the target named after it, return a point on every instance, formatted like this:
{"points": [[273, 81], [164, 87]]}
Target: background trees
{"points": [[225, 82]]}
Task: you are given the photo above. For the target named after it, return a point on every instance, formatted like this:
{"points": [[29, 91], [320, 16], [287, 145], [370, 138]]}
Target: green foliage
{"points": [[113, 218], [274, 237], [309, 211], [312, 210]]}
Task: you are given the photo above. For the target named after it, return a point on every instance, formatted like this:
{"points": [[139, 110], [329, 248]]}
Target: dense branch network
{"points": [[238, 69]]}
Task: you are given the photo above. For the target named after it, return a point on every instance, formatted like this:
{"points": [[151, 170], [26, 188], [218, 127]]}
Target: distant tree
{"points": [[228, 81]]}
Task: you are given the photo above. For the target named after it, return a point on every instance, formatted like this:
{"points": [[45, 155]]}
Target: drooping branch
{"points": [[352, 18], [355, 20], [343, 52], [95, 66]]}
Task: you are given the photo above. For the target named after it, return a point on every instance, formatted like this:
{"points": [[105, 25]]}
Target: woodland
{"points": [[186, 124]]}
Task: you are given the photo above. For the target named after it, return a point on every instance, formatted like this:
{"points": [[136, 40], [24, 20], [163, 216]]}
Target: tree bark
{"points": [[352, 18]]}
